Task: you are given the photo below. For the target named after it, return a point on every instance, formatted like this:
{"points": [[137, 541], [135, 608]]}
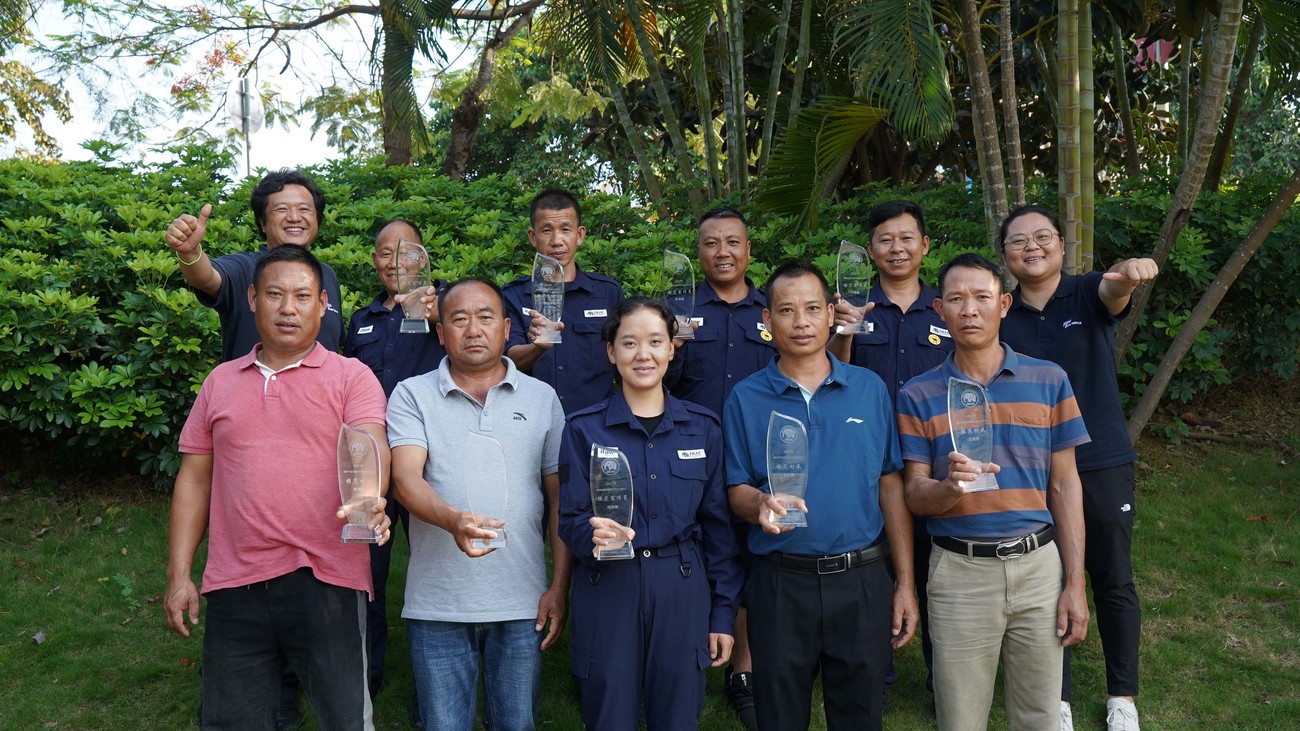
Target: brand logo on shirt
{"points": [[852, 420], [1069, 324], [690, 454], [520, 417], [594, 313], [366, 329]]}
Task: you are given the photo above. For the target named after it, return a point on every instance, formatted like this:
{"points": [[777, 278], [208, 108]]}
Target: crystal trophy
{"points": [[487, 494], [853, 281], [413, 280], [970, 423], [679, 293], [548, 295], [611, 495], [358, 457], [787, 468]]}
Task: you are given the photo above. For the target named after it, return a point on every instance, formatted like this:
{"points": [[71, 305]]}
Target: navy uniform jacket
{"points": [[729, 344], [901, 345], [578, 368], [677, 489], [373, 338]]}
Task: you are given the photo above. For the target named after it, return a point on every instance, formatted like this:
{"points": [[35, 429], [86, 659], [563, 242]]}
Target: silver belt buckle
{"points": [[833, 564], [1013, 549]]}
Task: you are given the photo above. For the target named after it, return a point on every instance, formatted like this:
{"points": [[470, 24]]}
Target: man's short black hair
{"points": [[444, 294], [972, 261], [292, 253], [274, 182], [1024, 211], [722, 212], [554, 199], [419, 237], [894, 209], [791, 268]]}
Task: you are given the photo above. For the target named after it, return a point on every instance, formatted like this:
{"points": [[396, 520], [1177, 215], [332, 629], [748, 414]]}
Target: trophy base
{"points": [[549, 337], [793, 518], [857, 328], [498, 542], [414, 327], [615, 554], [985, 482], [358, 533], [684, 329]]}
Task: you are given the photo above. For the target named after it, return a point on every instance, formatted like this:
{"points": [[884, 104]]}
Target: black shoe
{"points": [[288, 717], [740, 694], [416, 720]]}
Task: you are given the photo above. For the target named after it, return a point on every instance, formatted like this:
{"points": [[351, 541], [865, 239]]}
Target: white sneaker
{"points": [[1067, 718], [1121, 715]]}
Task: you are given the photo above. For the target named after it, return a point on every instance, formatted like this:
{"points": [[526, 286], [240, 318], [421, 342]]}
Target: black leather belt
{"points": [[828, 564], [1014, 548]]}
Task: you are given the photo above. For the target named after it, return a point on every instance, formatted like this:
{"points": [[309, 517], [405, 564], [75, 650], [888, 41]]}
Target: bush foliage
{"points": [[102, 349]]}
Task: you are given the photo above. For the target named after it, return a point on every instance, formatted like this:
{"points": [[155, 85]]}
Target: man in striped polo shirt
{"points": [[1009, 582]]}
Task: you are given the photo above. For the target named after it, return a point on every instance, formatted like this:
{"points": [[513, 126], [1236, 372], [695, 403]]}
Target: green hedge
{"points": [[102, 349]]}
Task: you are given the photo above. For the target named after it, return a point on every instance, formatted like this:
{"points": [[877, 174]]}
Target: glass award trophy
{"points": [[679, 292], [787, 467], [358, 456], [970, 422], [611, 495], [548, 295], [487, 495], [853, 282], [413, 278]]}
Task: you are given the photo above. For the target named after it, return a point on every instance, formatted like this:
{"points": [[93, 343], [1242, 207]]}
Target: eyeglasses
{"points": [[1043, 237]]}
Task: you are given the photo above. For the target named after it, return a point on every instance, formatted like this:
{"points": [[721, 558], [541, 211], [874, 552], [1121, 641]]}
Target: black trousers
{"points": [[381, 558], [803, 623], [1108, 510]]}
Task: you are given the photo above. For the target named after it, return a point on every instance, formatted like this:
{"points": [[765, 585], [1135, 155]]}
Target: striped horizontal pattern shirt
{"points": [[1034, 414]]}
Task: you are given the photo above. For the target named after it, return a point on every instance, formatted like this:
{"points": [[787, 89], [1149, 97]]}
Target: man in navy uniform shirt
{"points": [[1070, 319], [906, 338], [731, 342], [576, 368], [374, 339], [822, 593]]}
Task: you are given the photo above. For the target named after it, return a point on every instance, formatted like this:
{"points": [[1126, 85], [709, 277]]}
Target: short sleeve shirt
{"points": [[375, 339], [577, 368], [901, 344], [1077, 332], [730, 344]]}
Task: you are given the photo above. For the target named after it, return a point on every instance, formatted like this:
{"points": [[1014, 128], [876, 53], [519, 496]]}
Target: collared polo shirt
{"points": [[1034, 414], [677, 488], [730, 344], [275, 486], [375, 339], [578, 368], [1077, 332], [238, 325], [901, 344], [851, 442]]}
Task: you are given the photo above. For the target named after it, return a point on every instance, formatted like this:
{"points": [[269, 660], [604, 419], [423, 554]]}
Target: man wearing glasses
{"points": [[1070, 319]]}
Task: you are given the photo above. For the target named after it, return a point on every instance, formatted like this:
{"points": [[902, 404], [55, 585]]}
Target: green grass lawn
{"points": [[1218, 538]]}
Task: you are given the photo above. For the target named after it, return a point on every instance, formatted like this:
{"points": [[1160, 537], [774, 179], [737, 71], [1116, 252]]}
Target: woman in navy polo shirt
{"points": [[648, 627]]}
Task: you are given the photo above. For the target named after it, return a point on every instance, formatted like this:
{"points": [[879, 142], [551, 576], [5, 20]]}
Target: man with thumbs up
{"points": [[288, 208]]}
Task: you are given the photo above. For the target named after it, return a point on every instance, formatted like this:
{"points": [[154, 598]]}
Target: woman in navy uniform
{"points": [[648, 628]]}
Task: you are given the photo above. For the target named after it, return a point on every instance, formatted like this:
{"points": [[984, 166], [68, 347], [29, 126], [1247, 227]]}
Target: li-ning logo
{"points": [[520, 417], [788, 434], [1069, 324], [357, 448], [969, 399], [609, 467]]}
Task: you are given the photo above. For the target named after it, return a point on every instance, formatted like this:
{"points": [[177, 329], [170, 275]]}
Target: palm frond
{"points": [[1281, 20]]}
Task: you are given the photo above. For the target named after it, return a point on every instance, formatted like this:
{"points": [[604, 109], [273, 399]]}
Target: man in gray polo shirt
{"points": [[475, 457]]}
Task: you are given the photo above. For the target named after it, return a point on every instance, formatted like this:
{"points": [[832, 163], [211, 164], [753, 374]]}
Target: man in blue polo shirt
{"points": [[576, 368], [821, 593], [1006, 575], [393, 356], [1070, 319], [731, 342], [906, 338]]}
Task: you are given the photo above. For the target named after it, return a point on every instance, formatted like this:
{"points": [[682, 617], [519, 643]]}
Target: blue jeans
{"points": [[445, 658]]}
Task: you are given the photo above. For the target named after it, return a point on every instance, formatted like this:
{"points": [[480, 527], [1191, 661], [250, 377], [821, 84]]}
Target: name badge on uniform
{"points": [[594, 313], [690, 454], [366, 329], [936, 335]]}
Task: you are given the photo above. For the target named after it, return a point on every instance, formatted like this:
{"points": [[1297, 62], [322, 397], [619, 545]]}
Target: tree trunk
{"points": [[1209, 301], [800, 60], [700, 80], [728, 100], [1010, 106], [987, 147], [736, 67], [1132, 164], [1185, 99], [1213, 89], [774, 83], [1069, 129], [1047, 70], [648, 175], [467, 117], [1087, 139], [399, 56], [1219, 157]]}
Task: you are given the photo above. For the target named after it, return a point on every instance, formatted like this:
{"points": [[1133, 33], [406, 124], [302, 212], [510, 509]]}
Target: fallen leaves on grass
{"points": [[51, 591], [1259, 519]]}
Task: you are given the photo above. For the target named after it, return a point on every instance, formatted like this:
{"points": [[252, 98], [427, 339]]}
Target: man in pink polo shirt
{"points": [[258, 475]]}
